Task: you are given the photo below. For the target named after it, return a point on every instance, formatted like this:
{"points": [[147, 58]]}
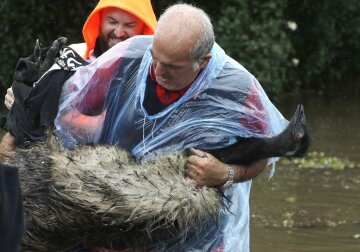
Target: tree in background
{"points": [[22, 22], [288, 44], [256, 33], [327, 41]]}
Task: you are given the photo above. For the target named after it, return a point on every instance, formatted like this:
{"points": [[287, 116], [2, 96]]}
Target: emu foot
{"points": [[45, 58], [301, 139]]}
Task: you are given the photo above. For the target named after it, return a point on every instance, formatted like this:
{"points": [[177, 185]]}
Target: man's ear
{"points": [[205, 60]]}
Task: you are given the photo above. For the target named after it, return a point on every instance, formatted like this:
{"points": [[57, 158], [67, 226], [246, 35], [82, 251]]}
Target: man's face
{"points": [[173, 69], [116, 26]]}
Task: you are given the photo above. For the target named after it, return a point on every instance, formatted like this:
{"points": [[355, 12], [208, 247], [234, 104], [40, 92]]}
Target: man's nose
{"points": [[119, 31]]}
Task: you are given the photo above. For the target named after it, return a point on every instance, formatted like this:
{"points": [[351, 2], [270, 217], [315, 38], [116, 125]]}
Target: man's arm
{"points": [[206, 170]]}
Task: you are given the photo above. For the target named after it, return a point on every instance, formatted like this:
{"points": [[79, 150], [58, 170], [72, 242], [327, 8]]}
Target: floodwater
{"points": [[305, 209]]}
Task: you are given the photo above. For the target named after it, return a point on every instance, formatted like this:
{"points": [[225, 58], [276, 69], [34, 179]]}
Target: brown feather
{"points": [[100, 196]]}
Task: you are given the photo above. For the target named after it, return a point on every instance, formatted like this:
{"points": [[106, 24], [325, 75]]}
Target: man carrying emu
{"points": [[168, 93]]}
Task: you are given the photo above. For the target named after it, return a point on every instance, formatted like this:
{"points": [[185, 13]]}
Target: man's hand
{"points": [[82, 125], [205, 169], [9, 98], [7, 144]]}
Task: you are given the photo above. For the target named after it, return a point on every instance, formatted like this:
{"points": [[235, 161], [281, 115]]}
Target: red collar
{"points": [[167, 96]]}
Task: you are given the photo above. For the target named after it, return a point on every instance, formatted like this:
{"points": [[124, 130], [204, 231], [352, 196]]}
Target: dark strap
{"points": [[11, 209]]}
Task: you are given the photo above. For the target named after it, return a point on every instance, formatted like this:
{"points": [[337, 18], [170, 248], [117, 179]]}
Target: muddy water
{"points": [[306, 210], [302, 210]]}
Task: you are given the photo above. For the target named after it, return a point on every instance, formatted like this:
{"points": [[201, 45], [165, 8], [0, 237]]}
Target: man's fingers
{"points": [[198, 157], [193, 174], [7, 105], [194, 161], [10, 93], [198, 153], [191, 170], [190, 173], [190, 166], [9, 98]]}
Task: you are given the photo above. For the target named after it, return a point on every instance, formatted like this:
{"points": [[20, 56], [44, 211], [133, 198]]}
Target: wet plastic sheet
{"points": [[223, 102]]}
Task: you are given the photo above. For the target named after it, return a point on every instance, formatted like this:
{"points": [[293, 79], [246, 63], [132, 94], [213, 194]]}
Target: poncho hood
{"points": [[139, 8]]}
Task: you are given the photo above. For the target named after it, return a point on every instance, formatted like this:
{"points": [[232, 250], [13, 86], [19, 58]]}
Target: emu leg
{"points": [[294, 141]]}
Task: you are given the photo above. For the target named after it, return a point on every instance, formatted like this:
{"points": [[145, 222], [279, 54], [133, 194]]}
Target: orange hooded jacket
{"points": [[142, 9]]}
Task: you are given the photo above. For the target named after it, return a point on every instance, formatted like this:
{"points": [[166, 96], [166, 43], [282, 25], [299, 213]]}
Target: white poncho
{"points": [[223, 102]]}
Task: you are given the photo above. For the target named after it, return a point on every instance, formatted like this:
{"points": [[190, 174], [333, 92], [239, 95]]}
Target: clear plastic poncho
{"points": [[223, 102]]}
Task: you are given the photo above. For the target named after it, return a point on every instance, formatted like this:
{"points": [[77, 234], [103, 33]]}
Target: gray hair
{"points": [[206, 39]]}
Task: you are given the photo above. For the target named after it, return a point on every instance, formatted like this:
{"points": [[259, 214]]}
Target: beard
{"points": [[106, 42]]}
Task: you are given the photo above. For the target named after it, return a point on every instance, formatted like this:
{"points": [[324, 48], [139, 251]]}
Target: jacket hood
{"points": [[139, 8]]}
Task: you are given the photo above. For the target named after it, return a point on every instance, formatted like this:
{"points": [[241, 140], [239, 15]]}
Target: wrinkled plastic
{"points": [[223, 102]]}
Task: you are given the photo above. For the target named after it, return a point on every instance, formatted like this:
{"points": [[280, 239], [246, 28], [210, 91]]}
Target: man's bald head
{"points": [[186, 29]]}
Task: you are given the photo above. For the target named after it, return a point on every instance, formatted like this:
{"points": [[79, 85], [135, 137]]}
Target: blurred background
{"points": [[301, 51]]}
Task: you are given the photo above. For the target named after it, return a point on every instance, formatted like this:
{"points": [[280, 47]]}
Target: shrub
{"points": [[327, 41], [23, 21], [286, 44], [256, 34]]}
